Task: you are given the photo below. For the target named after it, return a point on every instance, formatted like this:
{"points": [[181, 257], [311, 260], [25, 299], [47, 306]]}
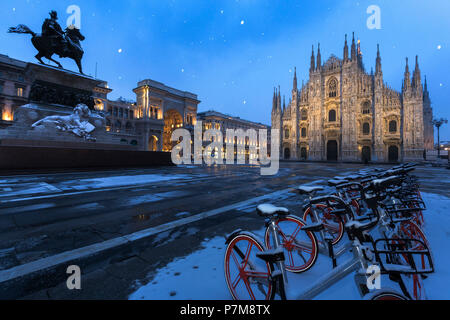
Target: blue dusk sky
{"points": [[233, 52]]}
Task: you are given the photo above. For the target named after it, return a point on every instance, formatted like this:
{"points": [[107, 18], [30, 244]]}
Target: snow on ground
{"points": [[437, 231], [119, 181], [25, 189], [200, 275]]}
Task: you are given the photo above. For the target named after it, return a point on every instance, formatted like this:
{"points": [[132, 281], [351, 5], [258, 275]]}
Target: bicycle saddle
{"points": [[271, 256], [335, 182], [267, 210], [308, 190], [353, 177]]}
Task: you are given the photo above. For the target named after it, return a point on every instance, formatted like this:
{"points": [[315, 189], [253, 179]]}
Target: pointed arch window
{"points": [[332, 88], [366, 108], [304, 114]]}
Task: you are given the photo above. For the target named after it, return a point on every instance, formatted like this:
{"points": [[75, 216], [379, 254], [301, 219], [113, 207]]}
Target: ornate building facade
{"points": [[215, 120], [145, 124], [343, 113]]}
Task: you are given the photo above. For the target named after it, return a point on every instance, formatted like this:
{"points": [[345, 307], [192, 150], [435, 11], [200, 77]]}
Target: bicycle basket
{"points": [[403, 256]]}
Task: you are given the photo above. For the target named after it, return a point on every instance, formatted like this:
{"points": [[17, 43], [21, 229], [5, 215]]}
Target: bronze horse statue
{"points": [[70, 47]]}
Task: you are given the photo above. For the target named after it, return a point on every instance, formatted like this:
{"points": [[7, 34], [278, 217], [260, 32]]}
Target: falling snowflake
{"points": [[182, 70], [242, 21], [221, 11], [244, 102], [439, 47], [441, 84], [119, 51]]}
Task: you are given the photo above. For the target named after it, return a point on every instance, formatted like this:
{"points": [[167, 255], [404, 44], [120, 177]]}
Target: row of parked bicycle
{"points": [[380, 211]]}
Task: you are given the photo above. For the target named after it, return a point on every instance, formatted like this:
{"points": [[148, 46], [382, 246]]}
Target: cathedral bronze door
{"points": [[393, 154], [332, 150], [365, 154]]}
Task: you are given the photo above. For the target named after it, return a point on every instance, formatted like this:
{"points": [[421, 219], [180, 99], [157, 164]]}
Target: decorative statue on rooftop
{"points": [[53, 40]]}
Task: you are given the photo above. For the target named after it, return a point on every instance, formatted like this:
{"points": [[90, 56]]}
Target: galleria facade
{"points": [[342, 113]]}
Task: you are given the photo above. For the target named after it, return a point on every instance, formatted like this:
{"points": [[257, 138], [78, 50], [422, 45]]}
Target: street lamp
{"points": [[438, 123]]}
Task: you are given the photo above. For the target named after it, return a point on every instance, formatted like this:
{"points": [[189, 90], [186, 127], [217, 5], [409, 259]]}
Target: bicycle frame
{"points": [[273, 229]]}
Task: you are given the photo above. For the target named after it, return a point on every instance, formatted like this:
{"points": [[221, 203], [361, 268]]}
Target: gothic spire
{"points": [[378, 61], [319, 58], [416, 77], [345, 50], [279, 99], [426, 94], [406, 81], [294, 87], [353, 48], [312, 68]]}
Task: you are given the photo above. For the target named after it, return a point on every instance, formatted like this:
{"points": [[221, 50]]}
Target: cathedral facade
{"points": [[343, 113]]}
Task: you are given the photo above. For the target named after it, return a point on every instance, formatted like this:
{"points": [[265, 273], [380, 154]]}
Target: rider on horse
{"points": [[53, 31], [54, 40]]}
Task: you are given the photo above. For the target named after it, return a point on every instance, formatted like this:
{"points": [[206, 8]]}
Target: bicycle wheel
{"points": [[246, 275], [384, 294], [413, 282], [333, 225], [409, 229], [300, 248]]}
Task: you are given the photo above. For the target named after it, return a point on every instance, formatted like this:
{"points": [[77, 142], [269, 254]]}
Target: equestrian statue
{"points": [[53, 40]]}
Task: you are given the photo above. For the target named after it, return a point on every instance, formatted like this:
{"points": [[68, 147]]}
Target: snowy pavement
{"points": [[59, 214], [200, 275]]}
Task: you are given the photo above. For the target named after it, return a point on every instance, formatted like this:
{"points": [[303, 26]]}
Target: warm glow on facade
{"points": [[6, 116]]}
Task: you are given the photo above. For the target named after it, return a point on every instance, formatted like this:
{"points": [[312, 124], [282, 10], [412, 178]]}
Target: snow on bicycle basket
{"points": [[403, 256]]}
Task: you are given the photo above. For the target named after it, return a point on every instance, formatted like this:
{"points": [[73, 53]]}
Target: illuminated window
{"points": [[332, 116], [20, 92]]}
